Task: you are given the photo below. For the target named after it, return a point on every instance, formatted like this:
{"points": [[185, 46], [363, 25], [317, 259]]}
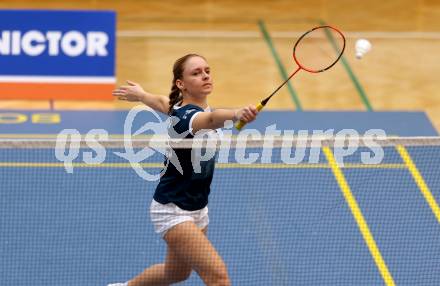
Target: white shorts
{"points": [[164, 217]]}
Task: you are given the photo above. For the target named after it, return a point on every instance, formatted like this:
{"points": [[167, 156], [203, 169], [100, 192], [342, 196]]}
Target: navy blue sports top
{"points": [[190, 190]]}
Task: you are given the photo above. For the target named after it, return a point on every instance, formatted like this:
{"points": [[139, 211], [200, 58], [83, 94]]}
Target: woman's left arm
{"points": [[135, 93]]}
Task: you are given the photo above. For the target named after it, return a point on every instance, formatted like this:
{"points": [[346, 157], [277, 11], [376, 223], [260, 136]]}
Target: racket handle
{"points": [[240, 124]]}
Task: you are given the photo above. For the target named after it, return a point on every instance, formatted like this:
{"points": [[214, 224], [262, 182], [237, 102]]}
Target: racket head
{"points": [[319, 49]]}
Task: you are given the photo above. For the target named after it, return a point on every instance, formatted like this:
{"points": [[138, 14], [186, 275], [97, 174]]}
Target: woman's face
{"points": [[196, 80]]}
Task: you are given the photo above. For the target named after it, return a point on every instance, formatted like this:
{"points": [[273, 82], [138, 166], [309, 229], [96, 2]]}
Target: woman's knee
{"points": [[223, 280], [219, 276], [177, 276]]}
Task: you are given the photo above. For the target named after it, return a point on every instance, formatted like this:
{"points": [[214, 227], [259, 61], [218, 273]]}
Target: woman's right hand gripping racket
{"points": [[317, 50]]}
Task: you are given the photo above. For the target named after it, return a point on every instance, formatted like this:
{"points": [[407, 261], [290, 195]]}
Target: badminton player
{"points": [[179, 209]]}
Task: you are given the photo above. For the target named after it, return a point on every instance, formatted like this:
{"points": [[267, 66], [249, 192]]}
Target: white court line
{"points": [[58, 79], [274, 34]]}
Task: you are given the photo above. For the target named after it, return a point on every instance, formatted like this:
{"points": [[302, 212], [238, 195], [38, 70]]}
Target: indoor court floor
{"points": [[59, 229], [400, 73]]}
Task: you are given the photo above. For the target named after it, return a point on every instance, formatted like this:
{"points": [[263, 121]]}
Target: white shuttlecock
{"points": [[362, 47]]}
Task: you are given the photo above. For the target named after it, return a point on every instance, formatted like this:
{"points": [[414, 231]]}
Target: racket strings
{"points": [[319, 49]]}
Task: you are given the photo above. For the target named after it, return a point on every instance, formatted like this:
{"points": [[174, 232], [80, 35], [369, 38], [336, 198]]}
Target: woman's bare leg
{"points": [[194, 249], [176, 269], [172, 271]]}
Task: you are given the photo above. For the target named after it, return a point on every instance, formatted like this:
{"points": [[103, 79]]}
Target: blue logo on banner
{"points": [[57, 43]]}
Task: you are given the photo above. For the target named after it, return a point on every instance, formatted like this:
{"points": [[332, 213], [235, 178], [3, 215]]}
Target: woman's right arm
{"points": [[134, 92], [216, 119]]}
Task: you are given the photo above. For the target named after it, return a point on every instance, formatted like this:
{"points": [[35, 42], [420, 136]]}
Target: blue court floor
{"points": [[274, 225]]}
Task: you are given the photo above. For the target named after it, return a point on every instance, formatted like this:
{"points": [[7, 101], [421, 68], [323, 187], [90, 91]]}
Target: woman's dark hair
{"points": [[175, 94]]}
